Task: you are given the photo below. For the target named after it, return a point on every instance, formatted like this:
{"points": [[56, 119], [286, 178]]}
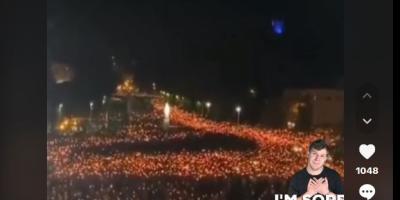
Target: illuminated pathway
{"points": [[279, 155]]}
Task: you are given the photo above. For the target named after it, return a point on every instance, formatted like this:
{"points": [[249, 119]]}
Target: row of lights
{"points": [[208, 104], [91, 105]]}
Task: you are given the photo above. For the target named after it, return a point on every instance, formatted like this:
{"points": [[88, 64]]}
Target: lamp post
{"points": [[91, 107], [60, 110], [198, 104], [238, 109], [104, 102], [252, 92], [208, 105]]}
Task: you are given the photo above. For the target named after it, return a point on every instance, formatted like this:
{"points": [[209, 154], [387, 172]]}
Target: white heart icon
{"points": [[367, 150]]}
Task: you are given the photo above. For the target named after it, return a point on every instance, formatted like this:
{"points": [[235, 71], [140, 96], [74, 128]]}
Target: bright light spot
{"points": [[60, 107], [238, 109], [278, 26], [208, 104], [252, 92], [167, 110], [104, 101], [62, 73], [297, 149], [291, 125], [126, 82], [91, 104]]}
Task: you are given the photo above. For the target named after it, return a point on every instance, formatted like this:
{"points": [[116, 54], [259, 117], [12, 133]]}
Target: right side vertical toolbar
{"points": [[368, 131]]}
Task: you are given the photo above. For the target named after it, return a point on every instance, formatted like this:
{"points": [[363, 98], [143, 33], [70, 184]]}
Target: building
{"points": [[312, 108]]}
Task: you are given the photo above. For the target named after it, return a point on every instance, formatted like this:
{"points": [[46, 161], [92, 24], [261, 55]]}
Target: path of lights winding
{"points": [[280, 154]]}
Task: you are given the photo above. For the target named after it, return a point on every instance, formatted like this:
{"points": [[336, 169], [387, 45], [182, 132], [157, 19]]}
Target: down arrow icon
{"points": [[367, 121]]}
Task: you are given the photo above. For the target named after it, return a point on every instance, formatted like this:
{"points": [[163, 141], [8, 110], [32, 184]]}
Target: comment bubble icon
{"points": [[367, 191]]}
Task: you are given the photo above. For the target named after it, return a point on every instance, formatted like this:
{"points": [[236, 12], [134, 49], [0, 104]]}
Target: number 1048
{"points": [[367, 170]]}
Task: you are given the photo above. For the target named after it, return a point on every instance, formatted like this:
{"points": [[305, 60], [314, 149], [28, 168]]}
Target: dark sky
{"points": [[199, 48]]}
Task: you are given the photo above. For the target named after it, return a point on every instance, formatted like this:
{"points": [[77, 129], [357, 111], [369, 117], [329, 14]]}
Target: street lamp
{"points": [[60, 112], [198, 104], [60, 107], [252, 92], [154, 86], [238, 109], [208, 105], [91, 106], [104, 101], [202, 109]]}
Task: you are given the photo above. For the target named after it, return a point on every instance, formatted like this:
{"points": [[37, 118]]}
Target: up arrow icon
{"points": [[367, 95]]}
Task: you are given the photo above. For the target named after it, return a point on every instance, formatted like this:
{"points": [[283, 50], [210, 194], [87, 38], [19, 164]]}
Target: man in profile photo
{"points": [[316, 178]]}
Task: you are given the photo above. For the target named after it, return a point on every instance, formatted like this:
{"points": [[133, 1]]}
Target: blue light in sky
{"points": [[278, 26]]}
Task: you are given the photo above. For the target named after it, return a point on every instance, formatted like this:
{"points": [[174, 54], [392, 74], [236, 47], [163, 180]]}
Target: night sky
{"points": [[200, 49]]}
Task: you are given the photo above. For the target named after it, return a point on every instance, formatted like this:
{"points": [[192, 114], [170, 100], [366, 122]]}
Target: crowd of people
{"points": [[98, 167], [166, 189]]}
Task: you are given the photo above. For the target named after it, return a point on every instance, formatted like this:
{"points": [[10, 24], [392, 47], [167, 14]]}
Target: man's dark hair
{"points": [[318, 145]]}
